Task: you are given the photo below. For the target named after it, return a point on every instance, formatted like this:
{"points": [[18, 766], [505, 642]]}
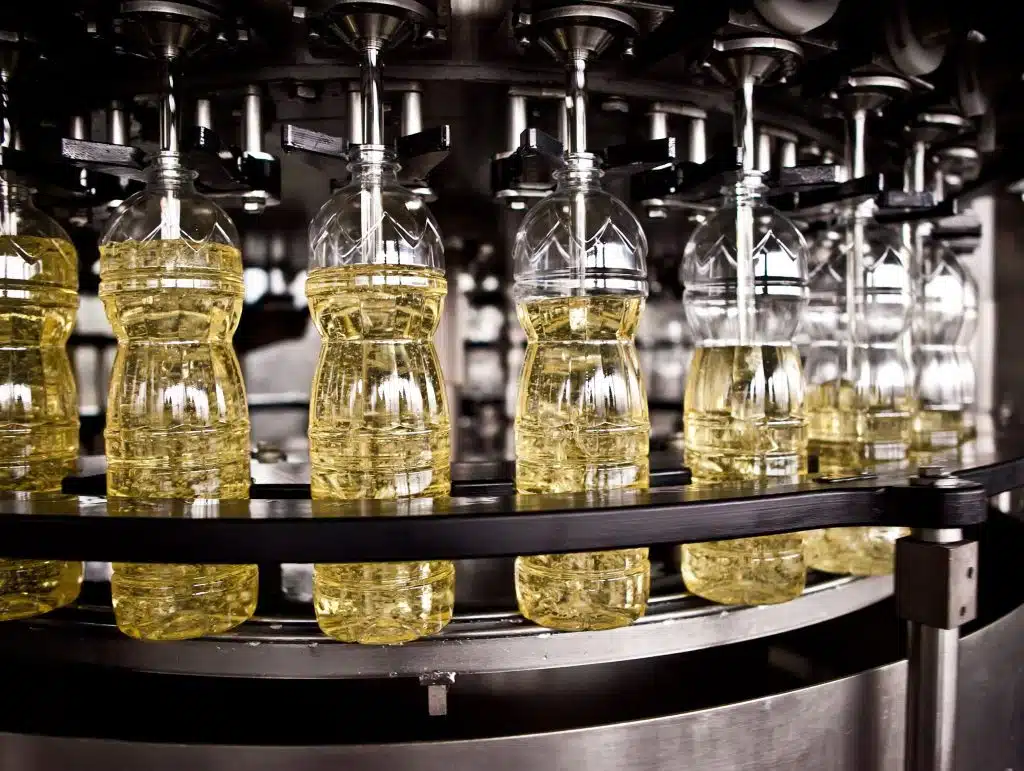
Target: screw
{"points": [[299, 12], [429, 34], [932, 472], [628, 51], [523, 40]]}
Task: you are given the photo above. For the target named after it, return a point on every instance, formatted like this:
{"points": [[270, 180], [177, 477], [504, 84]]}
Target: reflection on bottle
{"points": [[383, 603], [379, 425], [177, 422], [745, 274], [38, 399], [582, 421]]}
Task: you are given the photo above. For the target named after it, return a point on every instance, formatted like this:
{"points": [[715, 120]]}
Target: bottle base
{"points": [[584, 592], [854, 551], [386, 603], [33, 587], [747, 571], [182, 602]]}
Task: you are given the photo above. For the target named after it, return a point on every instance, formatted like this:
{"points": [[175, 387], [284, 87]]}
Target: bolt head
{"points": [[932, 472], [298, 12]]}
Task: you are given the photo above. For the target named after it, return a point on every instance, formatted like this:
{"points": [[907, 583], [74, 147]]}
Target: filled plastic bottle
{"points": [[860, 388], [38, 400], [745, 285], [965, 359], [581, 419], [177, 422], [379, 425], [938, 423]]}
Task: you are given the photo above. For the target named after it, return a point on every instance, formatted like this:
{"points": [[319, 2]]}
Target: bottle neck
{"points": [[581, 172], [373, 165], [167, 173], [13, 192], [749, 188]]}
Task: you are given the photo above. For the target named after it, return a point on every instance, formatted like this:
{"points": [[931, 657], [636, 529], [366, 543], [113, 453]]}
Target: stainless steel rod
{"points": [[252, 121], [169, 112], [412, 113], [932, 663], [517, 120], [576, 104], [372, 97], [117, 123]]}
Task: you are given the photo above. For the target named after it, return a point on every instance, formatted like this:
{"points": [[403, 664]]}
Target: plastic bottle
{"points": [[938, 423], [177, 422], [581, 418], [860, 387], [379, 425], [745, 285], [38, 400]]}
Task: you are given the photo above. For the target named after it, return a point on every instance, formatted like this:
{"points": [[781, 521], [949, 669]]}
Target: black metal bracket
{"points": [[686, 180], [417, 153], [230, 174], [421, 152]]}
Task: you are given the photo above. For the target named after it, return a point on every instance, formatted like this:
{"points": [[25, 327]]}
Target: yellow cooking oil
{"points": [[38, 403], [582, 425], [937, 430], [744, 421], [854, 432], [379, 429], [177, 422]]}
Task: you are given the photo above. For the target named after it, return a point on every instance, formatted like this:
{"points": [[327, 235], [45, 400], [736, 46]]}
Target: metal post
{"points": [[204, 114], [931, 684], [517, 120], [252, 121], [658, 124], [412, 113], [936, 592]]}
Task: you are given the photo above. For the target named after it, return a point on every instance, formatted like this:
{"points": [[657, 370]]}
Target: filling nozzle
{"points": [[856, 143], [576, 159], [169, 130], [576, 103], [746, 150]]}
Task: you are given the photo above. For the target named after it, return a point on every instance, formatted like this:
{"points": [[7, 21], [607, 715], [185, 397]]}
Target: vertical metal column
{"points": [[936, 592], [931, 684]]}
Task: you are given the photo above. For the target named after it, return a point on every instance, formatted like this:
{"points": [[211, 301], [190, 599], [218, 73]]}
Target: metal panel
{"points": [[852, 724], [496, 642]]}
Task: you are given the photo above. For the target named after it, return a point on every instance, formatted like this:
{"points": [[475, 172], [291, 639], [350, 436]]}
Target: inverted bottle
{"points": [[38, 399], [744, 276], [177, 421], [379, 424]]}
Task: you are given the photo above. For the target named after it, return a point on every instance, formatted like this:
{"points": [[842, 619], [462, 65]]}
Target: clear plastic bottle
{"points": [[860, 389], [38, 400], [965, 360], [938, 423], [581, 418], [745, 288], [177, 422], [379, 425]]}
